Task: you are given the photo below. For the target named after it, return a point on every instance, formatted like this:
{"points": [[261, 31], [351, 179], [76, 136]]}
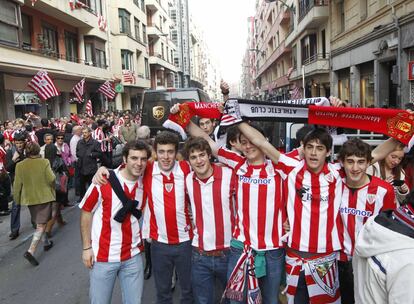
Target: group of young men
{"points": [[238, 223]]}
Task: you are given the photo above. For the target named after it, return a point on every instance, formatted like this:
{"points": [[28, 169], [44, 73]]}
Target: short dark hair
{"points": [[196, 143], [47, 135], [165, 138], [357, 147], [44, 122], [321, 135], [200, 118], [20, 136], [256, 127], [301, 133], [136, 145], [233, 133]]}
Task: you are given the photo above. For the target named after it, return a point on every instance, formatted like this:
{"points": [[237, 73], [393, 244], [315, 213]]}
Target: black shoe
{"points": [[4, 212], [13, 235], [28, 256], [147, 272], [47, 247]]}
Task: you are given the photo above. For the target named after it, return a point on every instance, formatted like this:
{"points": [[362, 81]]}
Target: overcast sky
{"points": [[224, 23]]}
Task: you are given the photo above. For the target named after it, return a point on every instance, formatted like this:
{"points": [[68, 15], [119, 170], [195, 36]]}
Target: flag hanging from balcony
{"points": [[102, 23], [74, 4], [89, 110], [296, 93], [79, 90], [107, 89], [43, 85], [128, 76]]}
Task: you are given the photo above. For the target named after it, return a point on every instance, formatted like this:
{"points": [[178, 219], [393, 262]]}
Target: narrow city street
{"points": [[60, 277]]}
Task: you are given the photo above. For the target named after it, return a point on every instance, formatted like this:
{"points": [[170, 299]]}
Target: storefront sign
{"points": [[22, 98], [411, 70]]}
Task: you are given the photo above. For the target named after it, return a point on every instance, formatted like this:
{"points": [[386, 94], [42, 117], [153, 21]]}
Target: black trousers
{"points": [[84, 182], [346, 282]]}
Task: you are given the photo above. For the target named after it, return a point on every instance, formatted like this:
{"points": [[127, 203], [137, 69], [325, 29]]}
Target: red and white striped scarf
{"points": [[321, 276], [243, 270]]}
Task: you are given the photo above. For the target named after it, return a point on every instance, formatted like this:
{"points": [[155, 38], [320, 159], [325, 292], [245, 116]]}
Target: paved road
{"points": [[60, 277]]}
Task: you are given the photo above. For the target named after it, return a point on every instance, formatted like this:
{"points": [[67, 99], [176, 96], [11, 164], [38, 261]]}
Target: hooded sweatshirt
{"points": [[384, 262]]}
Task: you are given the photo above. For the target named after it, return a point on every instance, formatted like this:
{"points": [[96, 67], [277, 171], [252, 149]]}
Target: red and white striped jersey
{"points": [[113, 241], [294, 154], [2, 159], [99, 136], [115, 130], [32, 137], [259, 205], [211, 207], [359, 204], [166, 216], [313, 202], [8, 134]]}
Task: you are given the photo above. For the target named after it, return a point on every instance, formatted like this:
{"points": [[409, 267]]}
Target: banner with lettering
{"points": [[398, 124]]}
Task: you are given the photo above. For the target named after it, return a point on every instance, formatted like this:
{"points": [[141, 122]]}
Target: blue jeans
{"points": [[131, 278], [15, 218], [164, 258], [269, 284], [205, 270]]}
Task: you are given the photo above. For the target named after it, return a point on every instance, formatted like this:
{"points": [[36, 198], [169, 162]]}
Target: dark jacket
{"points": [[41, 132], [10, 164], [88, 154]]}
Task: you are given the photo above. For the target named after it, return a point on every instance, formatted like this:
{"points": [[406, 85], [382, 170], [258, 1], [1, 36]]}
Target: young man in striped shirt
{"points": [[363, 196], [111, 248], [210, 188]]}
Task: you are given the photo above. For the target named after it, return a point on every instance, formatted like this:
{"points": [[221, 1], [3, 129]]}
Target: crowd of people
{"points": [[236, 223]]}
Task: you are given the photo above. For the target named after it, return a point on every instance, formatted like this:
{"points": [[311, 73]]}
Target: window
{"points": [[367, 90], [95, 52], [126, 58], [9, 22], [124, 22], [144, 33], [71, 45], [137, 30], [172, 56], [363, 9], [167, 52], [143, 5], [49, 43], [309, 50], [162, 50], [146, 67], [26, 31], [161, 23], [136, 3], [323, 37], [341, 17], [94, 6], [294, 57]]}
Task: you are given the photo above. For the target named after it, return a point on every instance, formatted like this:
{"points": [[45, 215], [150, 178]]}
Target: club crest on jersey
{"points": [[169, 187], [324, 272], [371, 198], [329, 177]]}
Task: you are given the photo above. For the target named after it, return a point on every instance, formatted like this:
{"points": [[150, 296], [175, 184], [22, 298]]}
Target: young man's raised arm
{"points": [[257, 139], [196, 131]]}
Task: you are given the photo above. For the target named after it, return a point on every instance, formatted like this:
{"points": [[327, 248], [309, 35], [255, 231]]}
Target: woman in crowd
{"points": [[34, 186], [390, 169]]}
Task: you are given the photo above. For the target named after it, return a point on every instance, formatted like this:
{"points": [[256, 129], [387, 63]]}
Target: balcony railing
{"points": [[306, 5], [315, 57]]}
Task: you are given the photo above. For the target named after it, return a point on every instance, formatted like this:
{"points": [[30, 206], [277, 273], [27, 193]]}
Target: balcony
{"points": [[312, 14], [82, 17], [29, 61], [153, 5], [153, 30], [127, 42], [278, 52], [277, 83], [315, 64], [158, 59]]}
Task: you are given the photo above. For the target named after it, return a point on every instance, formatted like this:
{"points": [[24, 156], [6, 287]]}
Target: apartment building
{"points": [[198, 57], [308, 37], [273, 54], [160, 43], [130, 58], [70, 44], [372, 52], [248, 78]]}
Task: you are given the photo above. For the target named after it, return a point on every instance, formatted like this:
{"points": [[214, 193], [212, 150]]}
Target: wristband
{"points": [[84, 249]]}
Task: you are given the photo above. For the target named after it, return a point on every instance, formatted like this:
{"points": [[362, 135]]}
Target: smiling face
{"points": [[253, 154], [135, 163], [166, 154], [200, 163], [206, 125], [355, 168], [315, 155], [394, 159]]}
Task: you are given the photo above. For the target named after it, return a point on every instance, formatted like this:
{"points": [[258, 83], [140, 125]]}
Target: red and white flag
{"points": [[79, 90], [102, 23], [296, 93], [74, 4], [128, 76], [43, 85], [89, 110], [107, 89]]}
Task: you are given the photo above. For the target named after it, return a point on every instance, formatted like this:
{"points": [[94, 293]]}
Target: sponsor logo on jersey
{"points": [[254, 181], [371, 198], [355, 211], [325, 273], [169, 187]]}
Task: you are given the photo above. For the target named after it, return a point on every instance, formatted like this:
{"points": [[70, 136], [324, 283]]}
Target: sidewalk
{"points": [[26, 229]]}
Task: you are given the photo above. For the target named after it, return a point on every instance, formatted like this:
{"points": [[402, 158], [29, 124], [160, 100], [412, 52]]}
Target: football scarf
{"points": [[321, 276]]}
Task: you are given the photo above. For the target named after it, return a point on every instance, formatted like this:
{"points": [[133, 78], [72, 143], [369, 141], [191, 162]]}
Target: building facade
{"points": [[372, 45], [66, 42]]}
